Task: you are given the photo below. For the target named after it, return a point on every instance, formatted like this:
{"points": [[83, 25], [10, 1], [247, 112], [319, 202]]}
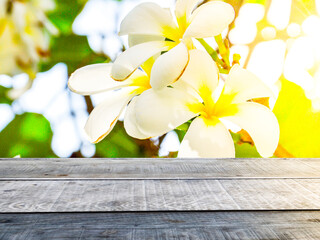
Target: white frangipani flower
{"points": [[24, 35], [153, 30], [96, 78], [157, 112]]}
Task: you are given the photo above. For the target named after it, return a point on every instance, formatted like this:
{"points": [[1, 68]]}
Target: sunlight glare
{"points": [[310, 26], [245, 29], [267, 61], [293, 30], [279, 13], [268, 33], [300, 59]]}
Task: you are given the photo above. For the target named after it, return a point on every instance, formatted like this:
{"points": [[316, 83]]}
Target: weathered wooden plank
{"points": [[301, 225], [159, 195], [158, 168]]}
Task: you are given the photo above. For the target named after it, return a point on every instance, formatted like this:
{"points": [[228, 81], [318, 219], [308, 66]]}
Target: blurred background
{"points": [[43, 41]]}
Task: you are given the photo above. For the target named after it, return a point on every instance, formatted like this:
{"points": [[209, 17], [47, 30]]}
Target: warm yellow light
{"points": [[268, 33]]}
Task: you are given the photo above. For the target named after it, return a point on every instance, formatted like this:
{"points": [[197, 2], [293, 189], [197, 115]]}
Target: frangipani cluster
{"points": [[24, 34], [152, 30], [163, 81]]}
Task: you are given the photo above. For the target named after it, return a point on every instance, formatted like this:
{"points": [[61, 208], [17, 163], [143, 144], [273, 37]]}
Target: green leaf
{"points": [[299, 123], [28, 135], [118, 145], [4, 95], [246, 150], [72, 50], [68, 47], [243, 149], [65, 13]]}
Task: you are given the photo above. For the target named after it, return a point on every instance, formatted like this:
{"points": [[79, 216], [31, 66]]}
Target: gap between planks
{"points": [[152, 179]]}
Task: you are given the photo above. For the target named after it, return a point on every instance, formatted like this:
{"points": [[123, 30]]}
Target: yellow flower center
{"points": [[142, 83], [175, 34], [210, 110]]}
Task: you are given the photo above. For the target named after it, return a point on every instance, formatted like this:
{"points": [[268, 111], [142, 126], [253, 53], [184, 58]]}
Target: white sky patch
{"points": [[50, 97], [279, 13], [267, 61], [5, 81], [252, 12], [97, 17], [88, 149], [112, 46], [318, 6], [294, 30], [6, 114], [20, 80], [310, 26], [299, 59], [44, 90], [245, 29], [243, 33], [59, 108], [65, 138]]}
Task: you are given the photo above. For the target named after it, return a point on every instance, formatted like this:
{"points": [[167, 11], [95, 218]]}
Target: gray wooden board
{"points": [[141, 199], [159, 195], [158, 168], [226, 225]]}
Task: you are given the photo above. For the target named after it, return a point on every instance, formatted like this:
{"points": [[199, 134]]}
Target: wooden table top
{"points": [[160, 199]]}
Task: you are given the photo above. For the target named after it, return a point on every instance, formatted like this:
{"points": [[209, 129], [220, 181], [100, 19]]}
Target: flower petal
{"points": [[244, 85], [132, 58], [158, 112], [93, 79], [146, 19], [210, 20], [201, 71], [138, 39], [105, 115], [184, 8], [169, 66], [260, 123], [130, 123], [207, 141]]}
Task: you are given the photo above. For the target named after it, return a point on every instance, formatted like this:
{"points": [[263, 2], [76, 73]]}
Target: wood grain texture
{"points": [[159, 195], [163, 225], [144, 199], [157, 168]]}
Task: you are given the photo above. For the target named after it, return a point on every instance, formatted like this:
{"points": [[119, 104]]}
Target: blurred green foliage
{"points": [[244, 149], [4, 95], [68, 47], [118, 145], [72, 50], [65, 13], [28, 135]]}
